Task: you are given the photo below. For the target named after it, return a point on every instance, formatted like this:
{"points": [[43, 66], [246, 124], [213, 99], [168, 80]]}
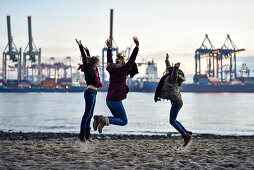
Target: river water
{"points": [[213, 113]]}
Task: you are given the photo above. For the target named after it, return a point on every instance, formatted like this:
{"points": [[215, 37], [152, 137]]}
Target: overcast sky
{"points": [[162, 26]]}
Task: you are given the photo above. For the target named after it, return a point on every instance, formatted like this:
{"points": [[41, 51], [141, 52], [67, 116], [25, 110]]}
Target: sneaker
{"points": [[96, 122], [87, 134], [102, 123], [187, 139]]}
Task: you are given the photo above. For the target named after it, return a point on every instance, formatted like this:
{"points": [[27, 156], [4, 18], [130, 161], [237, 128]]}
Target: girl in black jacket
{"points": [[90, 69]]}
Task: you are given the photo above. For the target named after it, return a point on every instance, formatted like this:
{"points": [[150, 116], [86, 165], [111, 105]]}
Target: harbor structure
{"points": [[221, 74], [31, 51], [12, 52]]}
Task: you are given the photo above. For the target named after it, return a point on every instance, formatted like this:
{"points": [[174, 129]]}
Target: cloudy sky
{"points": [[162, 26]]}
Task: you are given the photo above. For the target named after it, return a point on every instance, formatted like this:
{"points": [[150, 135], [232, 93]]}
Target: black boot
{"points": [[189, 132], [187, 138], [87, 134], [81, 135]]}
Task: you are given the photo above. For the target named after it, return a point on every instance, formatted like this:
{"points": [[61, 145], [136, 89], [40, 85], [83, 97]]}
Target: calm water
{"points": [[221, 113]]}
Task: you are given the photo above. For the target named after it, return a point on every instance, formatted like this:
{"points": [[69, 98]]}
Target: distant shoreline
{"points": [[73, 136]]}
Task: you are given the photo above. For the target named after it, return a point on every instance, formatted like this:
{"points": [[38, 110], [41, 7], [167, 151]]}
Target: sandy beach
{"points": [[65, 151]]}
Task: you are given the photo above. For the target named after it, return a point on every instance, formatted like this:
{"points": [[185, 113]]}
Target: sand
{"points": [[125, 152]]}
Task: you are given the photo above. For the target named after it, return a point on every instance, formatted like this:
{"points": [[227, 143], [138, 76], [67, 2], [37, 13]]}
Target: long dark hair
{"points": [[170, 69], [181, 73], [93, 60]]}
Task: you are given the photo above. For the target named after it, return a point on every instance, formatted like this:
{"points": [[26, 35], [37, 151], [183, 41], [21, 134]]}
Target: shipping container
{"points": [[12, 83], [66, 82], [248, 80], [24, 84], [49, 82], [203, 80], [235, 82], [66, 79], [213, 80]]}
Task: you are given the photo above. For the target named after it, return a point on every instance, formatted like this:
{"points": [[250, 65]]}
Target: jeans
{"points": [[117, 110], [173, 114], [90, 99]]}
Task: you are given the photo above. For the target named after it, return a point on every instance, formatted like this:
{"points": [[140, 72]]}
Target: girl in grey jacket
{"points": [[168, 88]]}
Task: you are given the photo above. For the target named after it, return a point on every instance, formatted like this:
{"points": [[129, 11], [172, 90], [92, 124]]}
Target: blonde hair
{"points": [[120, 58]]}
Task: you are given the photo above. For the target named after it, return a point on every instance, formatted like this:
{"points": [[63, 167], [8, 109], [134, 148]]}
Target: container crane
{"points": [[226, 51], [206, 50], [67, 66], [11, 51], [32, 52]]}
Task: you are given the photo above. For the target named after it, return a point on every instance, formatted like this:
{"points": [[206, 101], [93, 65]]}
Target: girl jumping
{"points": [[168, 88], [118, 89], [90, 69]]}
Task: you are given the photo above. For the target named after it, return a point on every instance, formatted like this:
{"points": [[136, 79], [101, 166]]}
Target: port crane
{"points": [[31, 51], [226, 52], [13, 53], [206, 50]]}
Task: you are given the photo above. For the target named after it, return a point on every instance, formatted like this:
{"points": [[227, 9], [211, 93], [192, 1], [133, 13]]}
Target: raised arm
{"points": [[109, 51], [109, 56], [174, 73], [133, 56], [83, 54], [87, 52], [167, 61]]}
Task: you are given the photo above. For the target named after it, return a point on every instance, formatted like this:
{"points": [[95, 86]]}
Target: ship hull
{"points": [[204, 88], [147, 87], [40, 89], [209, 88]]}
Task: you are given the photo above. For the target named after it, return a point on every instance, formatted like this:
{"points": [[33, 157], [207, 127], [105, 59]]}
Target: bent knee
{"points": [[125, 122], [172, 122]]}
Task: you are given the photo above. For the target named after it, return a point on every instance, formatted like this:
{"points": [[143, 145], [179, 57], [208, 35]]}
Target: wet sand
{"points": [[65, 151]]}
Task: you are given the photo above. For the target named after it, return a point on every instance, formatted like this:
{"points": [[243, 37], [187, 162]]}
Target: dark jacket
{"points": [[87, 68], [118, 89], [168, 88]]}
